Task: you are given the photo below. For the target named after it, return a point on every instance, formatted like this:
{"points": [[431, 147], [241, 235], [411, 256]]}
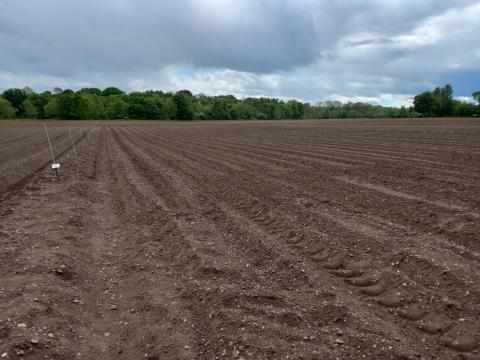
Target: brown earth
{"points": [[241, 240]]}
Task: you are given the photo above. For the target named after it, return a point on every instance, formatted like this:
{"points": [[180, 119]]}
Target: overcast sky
{"points": [[313, 50]]}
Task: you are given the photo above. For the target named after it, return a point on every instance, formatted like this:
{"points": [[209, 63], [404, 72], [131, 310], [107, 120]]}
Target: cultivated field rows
{"points": [[250, 240], [24, 150]]}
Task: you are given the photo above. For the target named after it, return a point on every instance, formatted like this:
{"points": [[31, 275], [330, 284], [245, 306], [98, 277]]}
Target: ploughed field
{"points": [[241, 240]]}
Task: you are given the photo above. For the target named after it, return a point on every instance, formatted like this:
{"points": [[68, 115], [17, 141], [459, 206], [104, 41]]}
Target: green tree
{"points": [[295, 109], [184, 106], [116, 107], [221, 109], [72, 107], [463, 108], [170, 109], [445, 96], [245, 111], [476, 97], [112, 91], [265, 107], [52, 109], [96, 109], [145, 106], [28, 91], [16, 97], [185, 92], [403, 112], [39, 101], [6, 109], [427, 104], [29, 110], [91, 91]]}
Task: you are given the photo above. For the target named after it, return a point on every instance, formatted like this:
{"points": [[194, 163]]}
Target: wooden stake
{"points": [[73, 144], [51, 150], [49, 143]]}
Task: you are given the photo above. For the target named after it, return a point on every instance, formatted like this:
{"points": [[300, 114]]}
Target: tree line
{"points": [[440, 102], [115, 104]]}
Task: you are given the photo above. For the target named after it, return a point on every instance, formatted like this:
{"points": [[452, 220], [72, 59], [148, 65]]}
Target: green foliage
{"points": [[445, 95], [52, 110], [222, 109], [337, 110], [462, 108], [200, 116], [113, 103], [29, 110], [476, 97], [295, 109], [6, 109], [245, 111], [439, 102], [95, 108], [72, 107], [39, 101], [116, 107], [92, 91], [427, 104], [112, 91], [169, 108], [186, 93], [184, 106], [16, 97], [265, 107], [144, 106]]}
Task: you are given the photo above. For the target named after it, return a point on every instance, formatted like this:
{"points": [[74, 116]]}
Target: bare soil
{"points": [[241, 240]]}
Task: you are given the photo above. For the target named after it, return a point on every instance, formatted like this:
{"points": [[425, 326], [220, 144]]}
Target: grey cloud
{"points": [[60, 37], [116, 35], [352, 47], [368, 42]]}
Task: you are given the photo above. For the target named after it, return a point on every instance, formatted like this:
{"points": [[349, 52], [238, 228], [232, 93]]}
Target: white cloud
{"points": [[311, 50], [465, 99]]}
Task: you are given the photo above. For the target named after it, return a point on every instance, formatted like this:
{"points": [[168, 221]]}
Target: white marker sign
{"points": [[55, 166]]}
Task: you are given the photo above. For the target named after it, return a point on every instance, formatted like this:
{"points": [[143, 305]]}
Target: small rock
{"points": [[34, 341], [4, 355], [113, 307], [76, 301], [50, 335], [339, 341], [4, 328], [22, 325]]}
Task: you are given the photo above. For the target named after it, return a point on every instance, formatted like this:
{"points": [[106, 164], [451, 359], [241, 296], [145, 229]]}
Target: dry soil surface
{"points": [[241, 240]]}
